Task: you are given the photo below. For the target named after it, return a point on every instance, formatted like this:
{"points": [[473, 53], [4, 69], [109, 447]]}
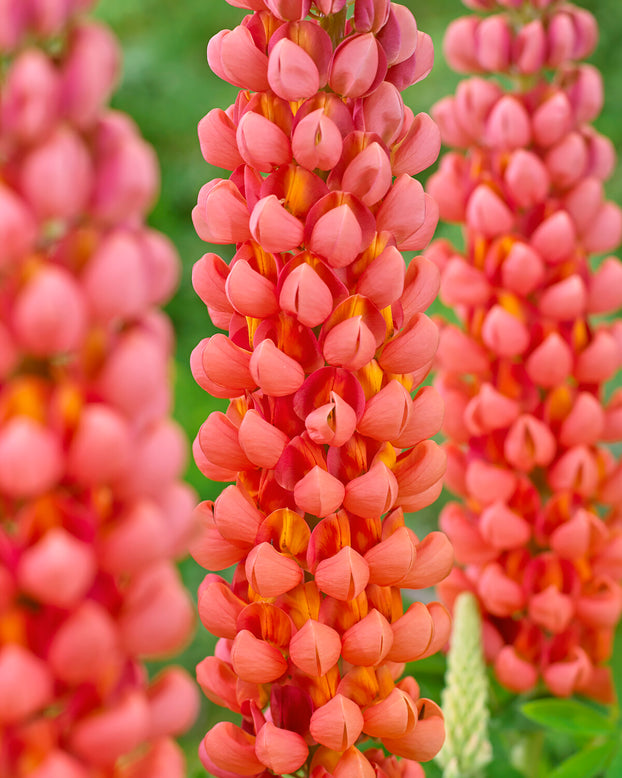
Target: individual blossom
{"points": [[537, 533], [92, 510], [326, 438]]}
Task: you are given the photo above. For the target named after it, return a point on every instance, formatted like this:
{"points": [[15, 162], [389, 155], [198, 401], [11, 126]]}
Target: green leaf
{"points": [[586, 764], [616, 664], [615, 766], [568, 716], [499, 768]]}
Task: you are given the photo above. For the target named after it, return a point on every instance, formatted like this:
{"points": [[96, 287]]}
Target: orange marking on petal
{"points": [[302, 603], [511, 303], [103, 502], [27, 397], [95, 349], [13, 628], [559, 403], [266, 622], [360, 685], [480, 247], [580, 335], [477, 322], [252, 325], [287, 530], [371, 377]]}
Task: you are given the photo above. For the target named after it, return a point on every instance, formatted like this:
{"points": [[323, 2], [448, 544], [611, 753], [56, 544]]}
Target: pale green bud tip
{"points": [[467, 749]]}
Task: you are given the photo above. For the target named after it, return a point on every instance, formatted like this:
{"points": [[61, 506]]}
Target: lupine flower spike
{"points": [[91, 508], [467, 749], [538, 534], [323, 441]]}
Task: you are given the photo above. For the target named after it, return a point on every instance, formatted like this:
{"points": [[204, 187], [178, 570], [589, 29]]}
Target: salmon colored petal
{"points": [[420, 469], [412, 348], [221, 214], [386, 412], [232, 749], [255, 660], [279, 749], [292, 73], [30, 458], [418, 149], [550, 363], [217, 140], [236, 517], [241, 62], [102, 737], [317, 141], [412, 634], [250, 293], [344, 575], [262, 143], [369, 175], [424, 741], [425, 418], [551, 610], [210, 549], [218, 438], [262, 442], [369, 641], [529, 443], [173, 703], [333, 423], [219, 607], [349, 344], [315, 648], [391, 560], [355, 65], [392, 717], [270, 573], [500, 595], [306, 295], [373, 493], [353, 764], [337, 236], [337, 724], [319, 492], [515, 672], [25, 682], [503, 528], [275, 228]]}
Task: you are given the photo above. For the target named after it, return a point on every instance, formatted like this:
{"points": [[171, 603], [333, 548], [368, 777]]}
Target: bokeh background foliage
{"points": [[167, 87]]}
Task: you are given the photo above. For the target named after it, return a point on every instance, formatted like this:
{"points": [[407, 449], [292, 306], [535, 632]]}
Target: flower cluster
{"points": [[326, 341], [539, 532], [91, 508]]}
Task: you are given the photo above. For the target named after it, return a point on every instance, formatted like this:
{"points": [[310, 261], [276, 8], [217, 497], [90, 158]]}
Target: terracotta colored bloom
{"points": [[326, 438], [92, 512], [538, 535]]}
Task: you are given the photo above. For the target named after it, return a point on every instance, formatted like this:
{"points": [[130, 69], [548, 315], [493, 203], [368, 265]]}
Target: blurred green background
{"points": [[167, 87]]}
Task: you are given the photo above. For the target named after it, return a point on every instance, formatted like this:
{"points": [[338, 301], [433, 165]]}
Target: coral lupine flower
{"points": [[323, 441], [91, 508], [538, 534]]}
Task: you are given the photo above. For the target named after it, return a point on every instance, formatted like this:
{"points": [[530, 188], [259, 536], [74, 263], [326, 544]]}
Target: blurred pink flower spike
{"points": [[89, 460], [523, 375]]}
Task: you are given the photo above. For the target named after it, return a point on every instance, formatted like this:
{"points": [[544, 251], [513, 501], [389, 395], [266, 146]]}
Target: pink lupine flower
{"points": [[523, 376], [93, 510], [323, 441]]}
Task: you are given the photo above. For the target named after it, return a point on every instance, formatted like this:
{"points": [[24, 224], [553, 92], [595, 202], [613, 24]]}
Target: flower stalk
{"points": [[524, 375], [323, 442], [92, 511]]}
